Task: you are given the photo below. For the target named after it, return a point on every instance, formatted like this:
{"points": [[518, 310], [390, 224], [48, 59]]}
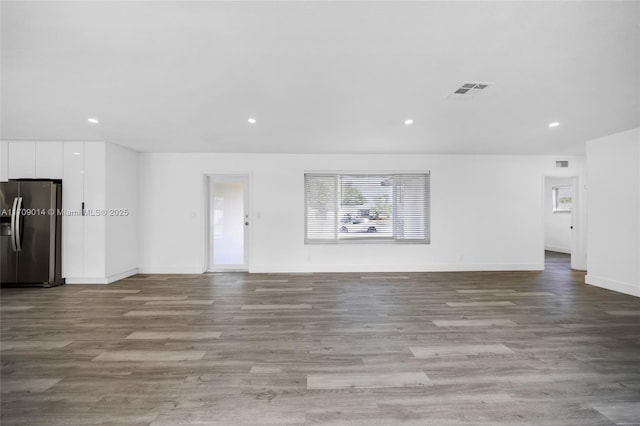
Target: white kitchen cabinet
{"points": [[4, 161], [22, 160], [83, 195], [72, 221], [82, 166], [49, 160]]}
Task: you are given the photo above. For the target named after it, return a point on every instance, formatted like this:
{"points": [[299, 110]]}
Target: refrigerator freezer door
{"points": [[8, 256]]}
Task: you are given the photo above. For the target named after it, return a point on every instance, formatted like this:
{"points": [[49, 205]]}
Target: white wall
{"points": [[486, 212], [121, 175], [557, 226], [4, 161], [614, 212]]}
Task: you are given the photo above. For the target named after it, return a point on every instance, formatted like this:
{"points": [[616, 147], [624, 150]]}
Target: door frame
{"points": [[578, 224], [248, 236]]}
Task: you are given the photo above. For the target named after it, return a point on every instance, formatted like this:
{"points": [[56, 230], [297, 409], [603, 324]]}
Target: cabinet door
{"points": [[94, 199], [72, 221], [22, 160], [49, 160], [4, 161]]}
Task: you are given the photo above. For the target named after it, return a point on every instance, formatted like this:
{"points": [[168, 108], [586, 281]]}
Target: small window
{"points": [[562, 199], [374, 207]]}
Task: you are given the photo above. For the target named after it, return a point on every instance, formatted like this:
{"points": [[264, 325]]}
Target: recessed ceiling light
{"points": [[76, 153], [408, 122], [554, 124], [252, 120], [93, 120]]}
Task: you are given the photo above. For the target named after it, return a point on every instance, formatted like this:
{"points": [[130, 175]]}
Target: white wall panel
{"points": [[121, 237], [614, 212], [49, 160], [22, 160], [4, 161]]}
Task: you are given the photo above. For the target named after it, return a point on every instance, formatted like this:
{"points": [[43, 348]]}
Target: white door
{"points": [[228, 223]]}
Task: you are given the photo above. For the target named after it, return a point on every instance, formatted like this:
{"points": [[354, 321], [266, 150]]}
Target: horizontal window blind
{"points": [[367, 207], [321, 206], [411, 206]]}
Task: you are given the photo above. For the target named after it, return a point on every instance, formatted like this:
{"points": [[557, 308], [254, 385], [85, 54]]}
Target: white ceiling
{"points": [[321, 77]]}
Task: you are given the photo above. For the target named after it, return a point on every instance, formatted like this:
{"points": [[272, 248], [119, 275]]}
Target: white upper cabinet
{"points": [[4, 161], [22, 160], [35, 160], [49, 160]]}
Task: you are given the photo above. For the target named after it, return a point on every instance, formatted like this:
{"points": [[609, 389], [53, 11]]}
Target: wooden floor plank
{"points": [[174, 335], [453, 350], [150, 356], [475, 323], [277, 307], [363, 380], [480, 304]]}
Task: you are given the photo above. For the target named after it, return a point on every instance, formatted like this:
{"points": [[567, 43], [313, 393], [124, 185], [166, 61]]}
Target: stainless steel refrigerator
{"points": [[31, 232]]}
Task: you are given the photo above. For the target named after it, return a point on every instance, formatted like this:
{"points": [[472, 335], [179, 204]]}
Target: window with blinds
{"points": [[371, 207]]}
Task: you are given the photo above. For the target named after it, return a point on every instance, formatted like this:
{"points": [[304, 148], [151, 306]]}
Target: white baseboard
{"points": [[268, 269], [613, 285], [558, 249], [168, 269], [86, 280], [122, 275], [101, 280]]}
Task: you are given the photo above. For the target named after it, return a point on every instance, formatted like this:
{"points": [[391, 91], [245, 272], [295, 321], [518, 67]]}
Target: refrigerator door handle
{"points": [[17, 223], [13, 224]]}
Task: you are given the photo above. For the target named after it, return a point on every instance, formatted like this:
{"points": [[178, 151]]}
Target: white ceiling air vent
{"points": [[469, 89], [562, 163]]}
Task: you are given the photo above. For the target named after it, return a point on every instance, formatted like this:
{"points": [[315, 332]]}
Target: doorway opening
{"points": [[560, 213], [228, 223]]}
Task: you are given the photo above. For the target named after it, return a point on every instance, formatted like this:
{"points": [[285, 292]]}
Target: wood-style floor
{"points": [[484, 348]]}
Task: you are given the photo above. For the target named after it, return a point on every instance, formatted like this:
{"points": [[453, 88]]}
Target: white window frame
{"points": [[558, 193], [395, 238]]}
